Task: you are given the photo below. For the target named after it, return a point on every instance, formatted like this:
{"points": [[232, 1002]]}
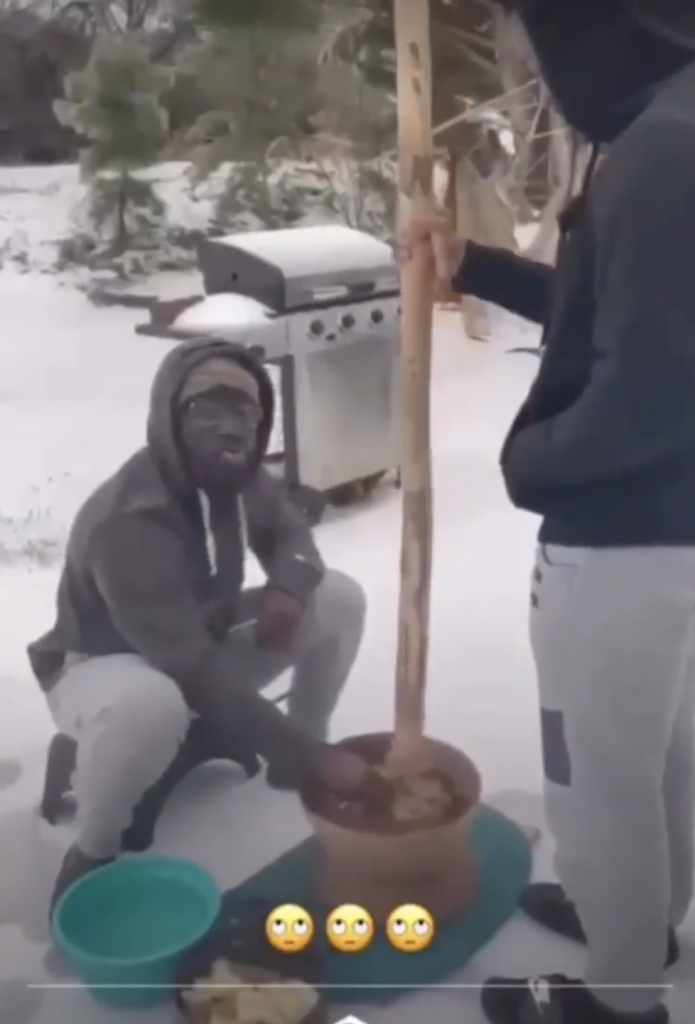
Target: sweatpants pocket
{"points": [[557, 766], [555, 556]]}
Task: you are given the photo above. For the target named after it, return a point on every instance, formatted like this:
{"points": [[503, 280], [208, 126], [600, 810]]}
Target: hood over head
{"points": [[603, 60], [168, 386], [670, 19]]}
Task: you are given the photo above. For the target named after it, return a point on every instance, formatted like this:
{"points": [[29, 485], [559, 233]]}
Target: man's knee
{"points": [[340, 605], [139, 728], [154, 715], [126, 748]]}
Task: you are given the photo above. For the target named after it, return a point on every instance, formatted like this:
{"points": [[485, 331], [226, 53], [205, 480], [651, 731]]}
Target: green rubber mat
{"points": [[381, 974]]}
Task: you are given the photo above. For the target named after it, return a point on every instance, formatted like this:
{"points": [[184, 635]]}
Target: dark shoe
{"points": [[548, 905], [139, 836], [74, 867], [554, 999], [57, 801], [200, 746], [283, 778]]}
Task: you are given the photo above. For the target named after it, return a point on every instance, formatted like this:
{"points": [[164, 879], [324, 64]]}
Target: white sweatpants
{"points": [[129, 719], [613, 636]]}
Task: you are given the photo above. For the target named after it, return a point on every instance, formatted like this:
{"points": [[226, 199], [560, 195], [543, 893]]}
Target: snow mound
{"points": [[217, 312]]}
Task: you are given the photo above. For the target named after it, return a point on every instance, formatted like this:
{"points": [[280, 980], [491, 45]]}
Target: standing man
{"points": [[158, 646], [603, 450]]}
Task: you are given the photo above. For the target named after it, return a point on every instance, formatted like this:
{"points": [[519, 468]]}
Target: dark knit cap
{"points": [[219, 372]]}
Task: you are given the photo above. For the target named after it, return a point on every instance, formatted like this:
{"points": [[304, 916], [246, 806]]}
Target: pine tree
{"points": [[115, 106], [275, 14], [256, 67], [275, 97]]}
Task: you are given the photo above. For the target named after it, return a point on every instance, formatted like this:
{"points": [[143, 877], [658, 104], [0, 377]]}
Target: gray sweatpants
{"points": [[129, 719], [613, 636]]}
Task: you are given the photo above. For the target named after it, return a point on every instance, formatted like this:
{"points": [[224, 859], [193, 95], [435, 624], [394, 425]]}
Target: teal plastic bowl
{"points": [[126, 927]]}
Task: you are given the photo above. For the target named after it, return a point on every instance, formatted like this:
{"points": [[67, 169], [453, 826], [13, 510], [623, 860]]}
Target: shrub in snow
{"points": [[278, 193], [114, 105], [360, 194], [46, 225], [247, 201]]}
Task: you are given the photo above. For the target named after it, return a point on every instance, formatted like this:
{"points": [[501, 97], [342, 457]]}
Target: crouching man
{"points": [[156, 636]]}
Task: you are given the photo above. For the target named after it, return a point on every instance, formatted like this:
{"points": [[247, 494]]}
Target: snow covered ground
{"points": [[43, 207], [73, 387]]}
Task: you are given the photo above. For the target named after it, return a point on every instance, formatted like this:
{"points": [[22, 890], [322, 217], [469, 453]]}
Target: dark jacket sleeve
{"points": [[520, 285], [281, 538], [139, 570], [638, 408]]}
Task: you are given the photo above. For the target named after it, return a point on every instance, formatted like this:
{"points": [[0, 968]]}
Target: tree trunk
{"points": [[416, 199], [120, 241], [473, 313]]}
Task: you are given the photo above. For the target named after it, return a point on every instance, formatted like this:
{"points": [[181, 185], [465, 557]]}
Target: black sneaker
{"points": [[548, 905], [554, 999]]}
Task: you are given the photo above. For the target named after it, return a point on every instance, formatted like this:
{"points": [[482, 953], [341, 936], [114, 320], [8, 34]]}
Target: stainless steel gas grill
{"points": [[322, 305]]}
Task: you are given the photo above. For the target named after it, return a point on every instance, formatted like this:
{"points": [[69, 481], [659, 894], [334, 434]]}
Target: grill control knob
{"points": [[377, 316], [347, 321], [316, 328]]}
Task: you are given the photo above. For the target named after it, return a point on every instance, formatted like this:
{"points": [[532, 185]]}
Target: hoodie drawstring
{"points": [[572, 212], [210, 542], [243, 528], [575, 207]]}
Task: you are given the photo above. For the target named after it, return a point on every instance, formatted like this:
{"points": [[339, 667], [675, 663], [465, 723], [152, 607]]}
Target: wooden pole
{"points": [[416, 200]]}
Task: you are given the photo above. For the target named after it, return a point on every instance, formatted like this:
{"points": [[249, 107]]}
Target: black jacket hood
{"points": [[162, 430], [670, 19], [601, 64]]}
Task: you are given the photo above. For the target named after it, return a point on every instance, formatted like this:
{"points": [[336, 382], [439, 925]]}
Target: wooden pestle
{"points": [[416, 200]]}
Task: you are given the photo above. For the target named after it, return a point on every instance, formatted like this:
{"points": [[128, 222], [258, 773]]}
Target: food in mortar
{"points": [[427, 794], [235, 994], [416, 800]]}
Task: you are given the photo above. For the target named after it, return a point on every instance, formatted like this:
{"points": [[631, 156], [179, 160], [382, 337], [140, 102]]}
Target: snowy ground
{"points": [[43, 207], [73, 384]]}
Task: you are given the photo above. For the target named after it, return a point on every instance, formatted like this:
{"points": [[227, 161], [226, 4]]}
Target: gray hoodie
{"points": [[152, 568]]}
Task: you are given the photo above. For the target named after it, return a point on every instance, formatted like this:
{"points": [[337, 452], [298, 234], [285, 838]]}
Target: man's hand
{"points": [[423, 235], [279, 620], [348, 775]]}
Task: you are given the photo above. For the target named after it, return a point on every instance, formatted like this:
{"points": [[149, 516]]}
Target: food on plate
{"points": [[236, 994]]}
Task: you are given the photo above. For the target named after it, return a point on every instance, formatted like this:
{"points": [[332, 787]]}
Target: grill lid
{"points": [[299, 268]]}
